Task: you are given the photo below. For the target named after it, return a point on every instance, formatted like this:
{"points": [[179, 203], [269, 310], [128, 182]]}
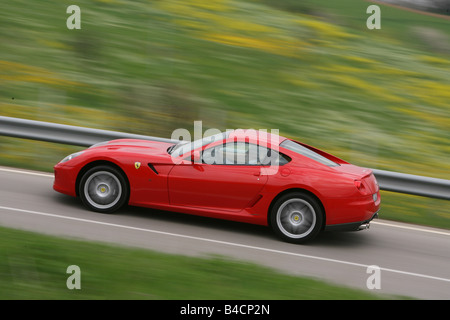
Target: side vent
{"points": [[254, 201], [153, 168]]}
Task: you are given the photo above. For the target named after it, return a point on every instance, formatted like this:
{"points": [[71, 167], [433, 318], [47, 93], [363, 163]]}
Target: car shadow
{"points": [[194, 220], [340, 239], [336, 239], [324, 239]]}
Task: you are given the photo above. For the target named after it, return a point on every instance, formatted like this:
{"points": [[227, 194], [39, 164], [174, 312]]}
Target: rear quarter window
{"points": [[304, 151]]}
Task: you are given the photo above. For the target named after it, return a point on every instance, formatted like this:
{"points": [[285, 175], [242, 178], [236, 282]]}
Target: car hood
{"points": [[135, 145]]}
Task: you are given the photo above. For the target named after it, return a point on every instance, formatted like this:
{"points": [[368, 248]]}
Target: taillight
{"points": [[361, 187]]}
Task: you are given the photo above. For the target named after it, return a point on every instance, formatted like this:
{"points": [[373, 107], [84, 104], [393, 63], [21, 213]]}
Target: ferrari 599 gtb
{"points": [[264, 179]]}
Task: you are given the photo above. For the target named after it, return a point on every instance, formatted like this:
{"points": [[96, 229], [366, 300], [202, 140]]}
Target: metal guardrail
{"points": [[60, 133], [412, 184], [80, 136]]}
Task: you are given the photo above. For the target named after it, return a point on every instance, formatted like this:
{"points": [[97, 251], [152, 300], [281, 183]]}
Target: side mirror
{"points": [[195, 157]]}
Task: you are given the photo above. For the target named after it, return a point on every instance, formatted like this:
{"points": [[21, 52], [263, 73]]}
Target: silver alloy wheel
{"points": [[102, 190], [296, 218]]}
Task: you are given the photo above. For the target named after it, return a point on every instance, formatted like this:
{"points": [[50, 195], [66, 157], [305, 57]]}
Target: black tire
{"points": [[296, 217], [103, 189]]}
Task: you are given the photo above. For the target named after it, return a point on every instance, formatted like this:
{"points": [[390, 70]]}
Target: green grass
{"points": [[35, 266], [415, 209], [377, 98]]}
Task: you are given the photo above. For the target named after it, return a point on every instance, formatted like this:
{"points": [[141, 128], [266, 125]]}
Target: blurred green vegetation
{"points": [[376, 98], [34, 266], [414, 209]]}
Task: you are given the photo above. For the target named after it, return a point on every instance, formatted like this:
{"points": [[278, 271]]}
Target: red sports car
{"points": [[266, 179]]}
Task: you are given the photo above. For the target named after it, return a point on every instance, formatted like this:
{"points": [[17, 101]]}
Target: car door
{"points": [[225, 179]]}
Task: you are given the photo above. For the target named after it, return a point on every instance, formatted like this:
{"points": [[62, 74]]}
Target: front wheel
{"points": [[296, 217], [103, 189]]}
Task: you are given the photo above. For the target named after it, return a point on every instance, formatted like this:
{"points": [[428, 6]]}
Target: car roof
{"points": [[262, 137]]}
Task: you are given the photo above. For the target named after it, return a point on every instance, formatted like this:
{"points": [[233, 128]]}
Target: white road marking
{"points": [[412, 228], [33, 173], [225, 243]]}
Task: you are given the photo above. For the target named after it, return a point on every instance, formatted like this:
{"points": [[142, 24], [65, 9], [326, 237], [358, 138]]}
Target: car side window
{"points": [[243, 153]]}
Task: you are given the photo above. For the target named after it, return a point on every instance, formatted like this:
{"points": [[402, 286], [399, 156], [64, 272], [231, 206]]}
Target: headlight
{"points": [[70, 157]]}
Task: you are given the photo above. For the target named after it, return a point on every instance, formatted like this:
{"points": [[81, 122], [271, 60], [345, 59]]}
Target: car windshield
{"points": [[298, 148], [186, 146]]}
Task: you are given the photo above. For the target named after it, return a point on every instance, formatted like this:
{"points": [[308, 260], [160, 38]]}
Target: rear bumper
{"points": [[352, 226]]}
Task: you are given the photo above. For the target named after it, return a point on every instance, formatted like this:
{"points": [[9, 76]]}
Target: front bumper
{"points": [[65, 179]]}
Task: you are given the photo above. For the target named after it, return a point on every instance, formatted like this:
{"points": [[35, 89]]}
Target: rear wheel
{"points": [[296, 217], [103, 189]]}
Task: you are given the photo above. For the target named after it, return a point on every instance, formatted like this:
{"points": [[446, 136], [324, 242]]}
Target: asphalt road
{"points": [[413, 261]]}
